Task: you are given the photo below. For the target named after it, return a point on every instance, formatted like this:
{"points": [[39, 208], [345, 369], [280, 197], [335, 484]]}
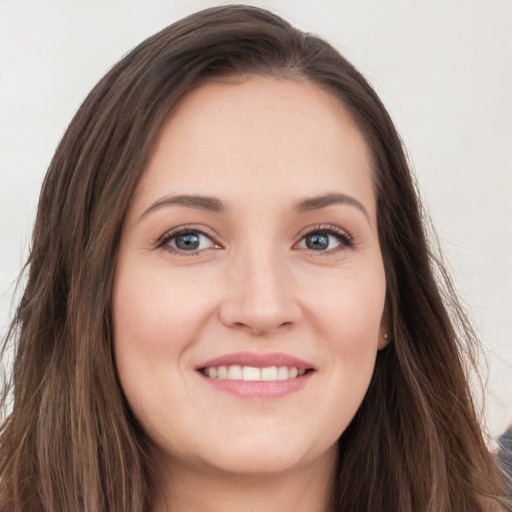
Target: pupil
{"points": [[187, 242], [317, 242]]}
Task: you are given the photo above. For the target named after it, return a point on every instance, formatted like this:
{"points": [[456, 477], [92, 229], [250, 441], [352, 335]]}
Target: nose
{"points": [[260, 297]]}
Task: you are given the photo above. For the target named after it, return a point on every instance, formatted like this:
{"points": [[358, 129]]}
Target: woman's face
{"points": [[249, 288]]}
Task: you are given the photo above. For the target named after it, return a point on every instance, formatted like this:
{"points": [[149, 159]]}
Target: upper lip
{"points": [[257, 361]]}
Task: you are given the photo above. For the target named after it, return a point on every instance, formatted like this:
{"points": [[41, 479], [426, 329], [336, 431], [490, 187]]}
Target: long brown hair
{"points": [[70, 442]]}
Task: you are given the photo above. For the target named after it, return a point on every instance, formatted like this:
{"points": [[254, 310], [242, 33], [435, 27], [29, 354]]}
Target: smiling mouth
{"points": [[253, 374]]}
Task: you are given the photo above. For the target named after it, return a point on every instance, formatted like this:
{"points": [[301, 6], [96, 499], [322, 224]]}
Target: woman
{"points": [[231, 302]]}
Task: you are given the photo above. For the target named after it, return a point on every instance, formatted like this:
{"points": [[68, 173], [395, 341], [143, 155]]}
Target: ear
{"points": [[384, 336], [385, 327]]}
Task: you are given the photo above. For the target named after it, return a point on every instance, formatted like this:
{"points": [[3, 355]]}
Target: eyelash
{"points": [[163, 241], [345, 239]]}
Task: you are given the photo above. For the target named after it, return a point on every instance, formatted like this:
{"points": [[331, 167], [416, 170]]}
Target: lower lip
{"points": [[259, 389]]}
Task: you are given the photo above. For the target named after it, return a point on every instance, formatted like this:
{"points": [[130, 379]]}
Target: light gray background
{"points": [[442, 67]]}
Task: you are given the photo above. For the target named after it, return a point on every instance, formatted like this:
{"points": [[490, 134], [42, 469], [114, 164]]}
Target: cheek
{"points": [[140, 322], [154, 326], [351, 324], [150, 329], [349, 312], [348, 320], [151, 310]]}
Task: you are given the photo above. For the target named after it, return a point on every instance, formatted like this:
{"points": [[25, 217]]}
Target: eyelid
{"points": [[162, 241], [346, 239]]}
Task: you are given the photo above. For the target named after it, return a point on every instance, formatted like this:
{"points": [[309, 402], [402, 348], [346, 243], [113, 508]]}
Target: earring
{"points": [[384, 343]]}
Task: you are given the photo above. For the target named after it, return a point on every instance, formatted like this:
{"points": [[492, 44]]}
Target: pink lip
{"points": [[258, 389], [257, 361]]}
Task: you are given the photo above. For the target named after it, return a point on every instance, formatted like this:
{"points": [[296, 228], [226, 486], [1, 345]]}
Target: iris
{"points": [[317, 241], [187, 241]]}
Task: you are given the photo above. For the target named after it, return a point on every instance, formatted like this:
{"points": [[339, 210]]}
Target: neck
{"points": [[305, 489]]}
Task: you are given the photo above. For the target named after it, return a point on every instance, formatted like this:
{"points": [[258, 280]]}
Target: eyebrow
{"points": [[211, 204], [315, 203]]}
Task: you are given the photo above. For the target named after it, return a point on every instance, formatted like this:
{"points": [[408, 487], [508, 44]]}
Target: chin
{"points": [[269, 454], [260, 462]]}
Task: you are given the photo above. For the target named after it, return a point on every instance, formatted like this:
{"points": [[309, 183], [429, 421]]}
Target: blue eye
{"points": [[188, 241], [325, 240], [318, 241]]}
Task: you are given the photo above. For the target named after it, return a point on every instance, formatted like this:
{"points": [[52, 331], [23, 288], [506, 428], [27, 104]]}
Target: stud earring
{"points": [[384, 343]]}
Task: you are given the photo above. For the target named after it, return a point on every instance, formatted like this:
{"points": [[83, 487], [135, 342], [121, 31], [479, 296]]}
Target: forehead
{"points": [[239, 133]]}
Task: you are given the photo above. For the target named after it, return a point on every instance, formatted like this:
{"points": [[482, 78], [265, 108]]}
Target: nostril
{"points": [[242, 325]]}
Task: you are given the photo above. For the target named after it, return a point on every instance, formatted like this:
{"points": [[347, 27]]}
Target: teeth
{"points": [[250, 373], [292, 373], [269, 373], [282, 373], [234, 372]]}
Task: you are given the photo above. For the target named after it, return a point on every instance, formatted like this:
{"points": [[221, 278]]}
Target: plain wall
{"points": [[444, 70]]}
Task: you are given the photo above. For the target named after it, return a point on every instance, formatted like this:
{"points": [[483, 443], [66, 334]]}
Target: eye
{"points": [[188, 240], [326, 239]]}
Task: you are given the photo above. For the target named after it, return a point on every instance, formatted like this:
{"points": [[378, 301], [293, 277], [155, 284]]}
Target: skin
{"points": [[260, 146]]}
